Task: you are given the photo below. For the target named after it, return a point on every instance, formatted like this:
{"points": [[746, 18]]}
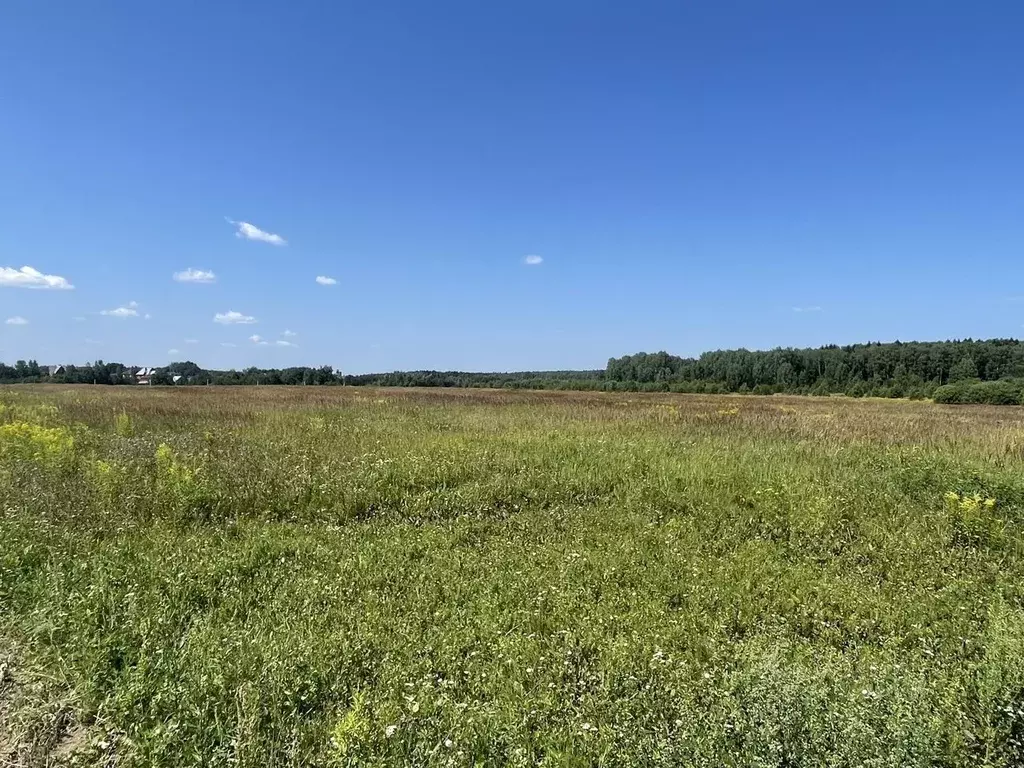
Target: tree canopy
{"points": [[951, 371], [890, 369]]}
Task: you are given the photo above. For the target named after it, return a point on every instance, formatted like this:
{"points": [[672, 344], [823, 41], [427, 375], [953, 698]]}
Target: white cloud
{"points": [[533, 260], [195, 276], [27, 277], [260, 341], [233, 318], [173, 352], [248, 231], [227, 344], [17, 320], [807, 309], [326, 280], [191, 341], [289, 333], [131, 310]]}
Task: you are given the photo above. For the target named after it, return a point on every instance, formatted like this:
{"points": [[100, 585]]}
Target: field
{"points": [[330, 577]]}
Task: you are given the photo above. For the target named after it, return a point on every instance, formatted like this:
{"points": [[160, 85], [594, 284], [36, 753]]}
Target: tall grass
{"points": [[325, 577]]}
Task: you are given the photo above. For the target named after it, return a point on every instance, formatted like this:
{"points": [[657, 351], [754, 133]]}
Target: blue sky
{"points": [[692, 175]]}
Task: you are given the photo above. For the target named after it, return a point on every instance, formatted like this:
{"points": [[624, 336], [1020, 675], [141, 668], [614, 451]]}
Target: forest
{"points": [[960, 371], [947, 370]]}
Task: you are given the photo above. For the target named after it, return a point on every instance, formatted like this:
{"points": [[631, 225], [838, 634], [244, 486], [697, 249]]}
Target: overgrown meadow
{"points": [[319, 576]]}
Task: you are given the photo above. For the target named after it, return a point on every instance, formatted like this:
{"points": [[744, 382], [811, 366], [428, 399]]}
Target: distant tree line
{"points": [[963, 371], [182, 373], [897, 369], [189, 373], [518, 380]]}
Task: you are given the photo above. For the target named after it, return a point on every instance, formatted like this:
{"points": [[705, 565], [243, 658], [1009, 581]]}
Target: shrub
{"points": [[1003, 392], [947, 393], [858, 389], [997, 392]]}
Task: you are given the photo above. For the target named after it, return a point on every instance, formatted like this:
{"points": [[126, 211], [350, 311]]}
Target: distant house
{"points": [[176, 379], [145, 375], [54, 370]]}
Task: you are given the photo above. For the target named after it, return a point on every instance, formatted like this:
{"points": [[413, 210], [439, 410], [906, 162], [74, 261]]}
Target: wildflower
{"points": [[36, 442], [971, 503], [390, 731], [164, 454], [123, 426], [449, 743]]}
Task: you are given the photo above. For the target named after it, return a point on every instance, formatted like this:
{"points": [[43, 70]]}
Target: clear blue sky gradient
{"points": [[691, 174]]}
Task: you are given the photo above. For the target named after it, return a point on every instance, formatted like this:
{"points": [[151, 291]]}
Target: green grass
{"points": [[318, 576]]}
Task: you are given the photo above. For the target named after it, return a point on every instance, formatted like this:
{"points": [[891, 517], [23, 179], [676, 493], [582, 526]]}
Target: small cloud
{"points": [[807, 309], [260, 341], [289, 333], [533, 260], [78, 319], [128, 311], [147, 316], [173, 352], [228, 344], [191, 341], [17, 320], [195, 276], [233, 318], [248, 231], [27, 277], [326, 280]]}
